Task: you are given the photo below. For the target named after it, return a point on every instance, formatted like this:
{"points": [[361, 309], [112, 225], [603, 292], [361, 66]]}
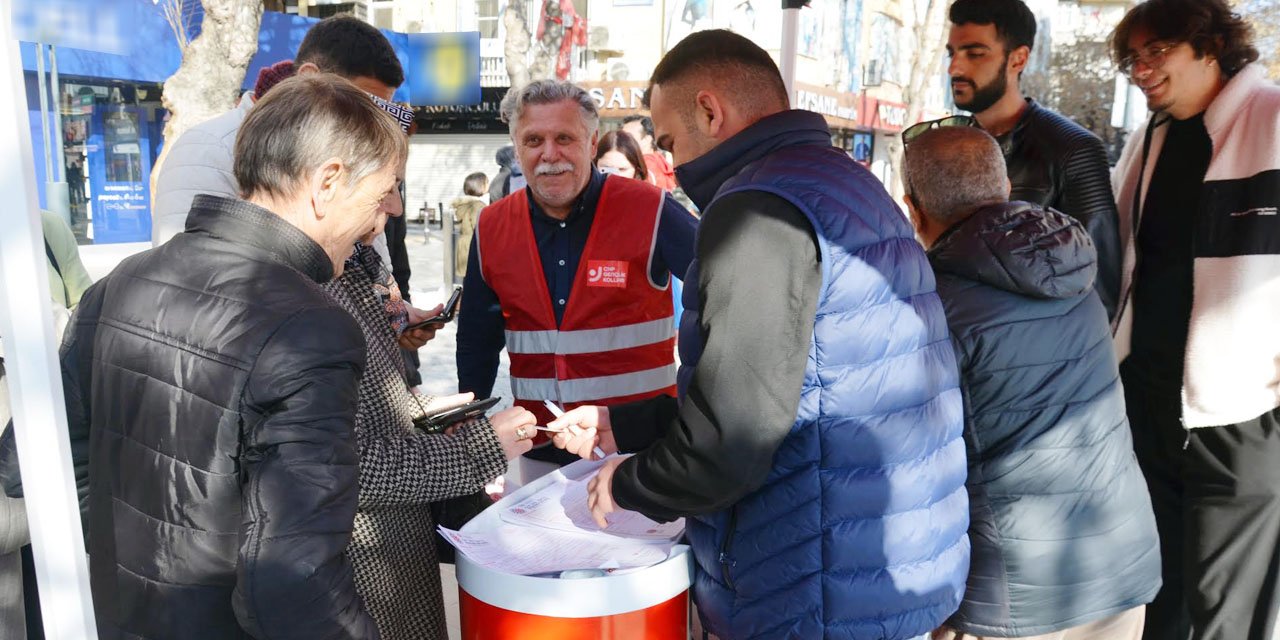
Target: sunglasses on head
{"points": [[912, 132]]}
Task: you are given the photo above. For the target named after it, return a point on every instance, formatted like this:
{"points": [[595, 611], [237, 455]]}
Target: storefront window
{"points": [[111, 137]]}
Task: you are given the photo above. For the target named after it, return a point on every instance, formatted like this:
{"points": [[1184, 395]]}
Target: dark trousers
{"points": [[1216, 494]]}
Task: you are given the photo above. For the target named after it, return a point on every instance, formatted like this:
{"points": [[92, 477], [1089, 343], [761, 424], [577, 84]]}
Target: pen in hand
{"points": [[558, 412]]}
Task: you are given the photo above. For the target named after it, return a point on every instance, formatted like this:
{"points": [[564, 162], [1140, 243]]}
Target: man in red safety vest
{"points": [[571, 275]]}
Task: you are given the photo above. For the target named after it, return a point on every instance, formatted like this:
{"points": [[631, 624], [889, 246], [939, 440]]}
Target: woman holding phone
{"points": [[404, 469]]}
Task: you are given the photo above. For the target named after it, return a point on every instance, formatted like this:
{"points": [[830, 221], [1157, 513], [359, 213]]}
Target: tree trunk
{"points": [[208, 81], [929, 42], [516, 46]]}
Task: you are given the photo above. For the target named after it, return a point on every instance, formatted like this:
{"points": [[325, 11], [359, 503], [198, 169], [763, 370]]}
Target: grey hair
{"points": [[306, 120], [950, 171], [549, 92]]}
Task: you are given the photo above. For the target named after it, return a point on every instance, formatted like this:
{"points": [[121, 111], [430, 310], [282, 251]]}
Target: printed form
{"points": [[563, 506], [552, 530]]}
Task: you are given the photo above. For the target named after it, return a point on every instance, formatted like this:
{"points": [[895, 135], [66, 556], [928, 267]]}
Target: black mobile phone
{"points": [[450, 310], [438, 422]]}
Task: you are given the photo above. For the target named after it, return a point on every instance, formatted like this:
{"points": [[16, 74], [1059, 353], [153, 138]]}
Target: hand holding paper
{"points": [[600, 492]]}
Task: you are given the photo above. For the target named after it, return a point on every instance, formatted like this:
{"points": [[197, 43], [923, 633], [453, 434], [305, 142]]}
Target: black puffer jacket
{"points": [[217, 383], [1060, 520], [1054, 162]]}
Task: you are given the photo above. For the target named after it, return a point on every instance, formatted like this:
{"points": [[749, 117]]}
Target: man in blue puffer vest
{"points": [[816, 447], [1064, 539]]}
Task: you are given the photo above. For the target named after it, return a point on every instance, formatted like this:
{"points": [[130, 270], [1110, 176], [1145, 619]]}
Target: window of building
{"points": [[487, 18]]}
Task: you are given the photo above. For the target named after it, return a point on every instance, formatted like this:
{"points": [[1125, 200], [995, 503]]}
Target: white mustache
{"points": [[553, 167]]}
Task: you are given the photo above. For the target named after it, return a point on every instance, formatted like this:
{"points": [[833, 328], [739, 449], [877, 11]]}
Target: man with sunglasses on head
{"points": [[1198, 332], [1051, 160]]}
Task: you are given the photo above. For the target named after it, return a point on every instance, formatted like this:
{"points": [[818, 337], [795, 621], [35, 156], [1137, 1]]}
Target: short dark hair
{"points": [[731, 60], [623, 143], [1015, 23], [1209, 26], [476, 184], [345, 45], [646, 123]]}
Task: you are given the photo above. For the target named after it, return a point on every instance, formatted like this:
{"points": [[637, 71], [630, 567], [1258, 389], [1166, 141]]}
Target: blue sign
{"points": [[94, 25], [119, 152], [444, 68]]}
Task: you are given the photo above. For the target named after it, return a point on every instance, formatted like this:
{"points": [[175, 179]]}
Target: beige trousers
{"points": [[1126, 625]]}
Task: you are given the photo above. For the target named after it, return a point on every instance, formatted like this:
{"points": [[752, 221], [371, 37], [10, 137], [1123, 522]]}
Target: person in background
{"points": [[510, 177], [816, 450], [397, 257], [583, 257], [200, 160], [1051, 160], [467, 209], [1198, 335], [618, 153], [1064, 539], [659, 169], [19, 603]]}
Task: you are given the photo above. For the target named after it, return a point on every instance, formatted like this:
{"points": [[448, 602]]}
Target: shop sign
{"points": [[444, 68], [883, 115], [828, 104], [892, 115], [617, 99], [482, 117]]}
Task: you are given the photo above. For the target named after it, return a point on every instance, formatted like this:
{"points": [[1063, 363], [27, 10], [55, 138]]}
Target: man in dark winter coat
{"points": [[1064, 539], [216, 384]]}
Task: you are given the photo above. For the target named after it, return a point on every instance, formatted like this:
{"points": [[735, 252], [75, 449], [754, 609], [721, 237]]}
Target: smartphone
{"points": [[438, 422], [450, 310]]}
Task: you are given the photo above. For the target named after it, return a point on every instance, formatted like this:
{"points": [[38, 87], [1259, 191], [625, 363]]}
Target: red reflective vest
{"points": [[616, 342]]}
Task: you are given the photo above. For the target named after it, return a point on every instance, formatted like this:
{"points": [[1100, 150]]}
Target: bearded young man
{"points": [[1052, 161]]}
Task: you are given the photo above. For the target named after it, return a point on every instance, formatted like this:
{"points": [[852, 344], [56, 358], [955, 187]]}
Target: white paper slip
{"points": [[562, 505], [528, 551]]}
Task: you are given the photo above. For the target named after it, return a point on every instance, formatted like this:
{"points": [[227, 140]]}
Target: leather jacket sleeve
{"points": [[1086, 196], [299, 470]]}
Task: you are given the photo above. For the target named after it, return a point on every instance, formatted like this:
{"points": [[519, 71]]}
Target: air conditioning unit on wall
{"points": [[872, 74]]}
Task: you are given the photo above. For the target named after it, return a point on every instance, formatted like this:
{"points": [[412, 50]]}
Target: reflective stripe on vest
{"points": [[590, 340], [588, 389]]}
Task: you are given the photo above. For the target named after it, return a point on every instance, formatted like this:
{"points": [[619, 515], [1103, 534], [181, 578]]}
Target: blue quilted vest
{"points": [[859, 530]]}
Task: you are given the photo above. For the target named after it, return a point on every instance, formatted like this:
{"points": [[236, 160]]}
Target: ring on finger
{"points": [[522, 433]]}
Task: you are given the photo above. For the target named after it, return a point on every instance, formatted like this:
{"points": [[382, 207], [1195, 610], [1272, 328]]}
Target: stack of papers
{"points": [[563, 506], [551, 530], [529, 550]]}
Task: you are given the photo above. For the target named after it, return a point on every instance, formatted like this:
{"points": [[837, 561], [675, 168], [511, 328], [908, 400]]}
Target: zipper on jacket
{"points": [[727, 561]]}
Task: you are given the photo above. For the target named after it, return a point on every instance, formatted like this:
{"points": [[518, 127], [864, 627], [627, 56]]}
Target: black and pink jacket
{"points": [[1232, 371]]}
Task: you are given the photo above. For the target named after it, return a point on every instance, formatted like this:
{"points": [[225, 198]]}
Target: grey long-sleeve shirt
{"points": [[758, 286]]}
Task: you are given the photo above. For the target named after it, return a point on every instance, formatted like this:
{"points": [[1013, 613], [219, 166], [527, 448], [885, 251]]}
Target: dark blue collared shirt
{"points": [[560, 245]]}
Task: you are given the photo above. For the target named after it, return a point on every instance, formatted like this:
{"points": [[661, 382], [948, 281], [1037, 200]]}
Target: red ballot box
{"points": [[637, 604]]}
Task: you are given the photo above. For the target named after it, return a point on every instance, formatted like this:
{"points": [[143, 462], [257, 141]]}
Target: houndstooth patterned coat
{"points": [[402, 470]]}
